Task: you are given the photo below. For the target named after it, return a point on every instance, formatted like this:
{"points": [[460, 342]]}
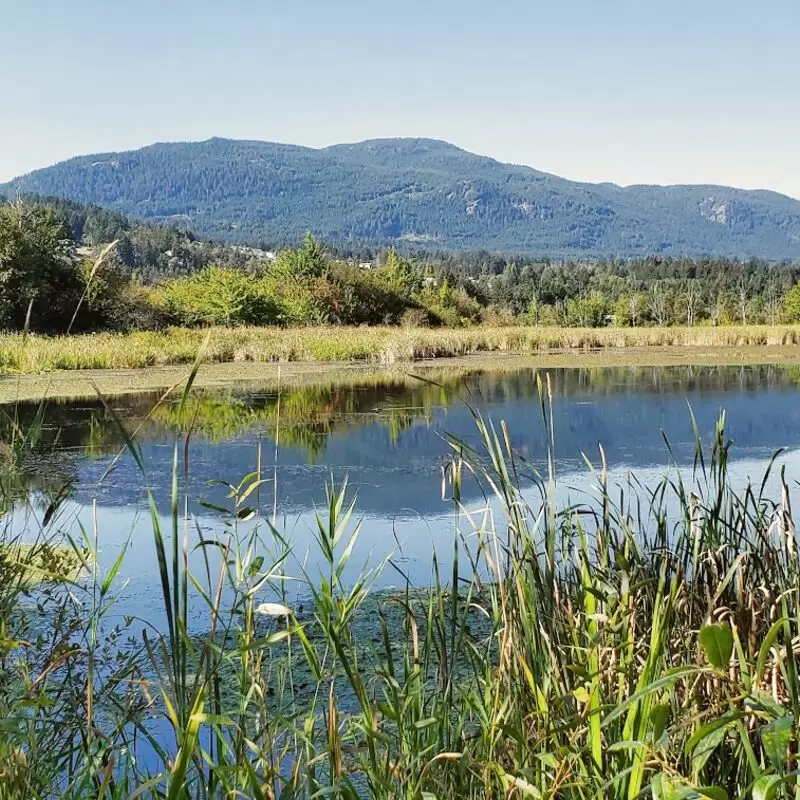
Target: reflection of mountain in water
{"points": [[390, 438]]}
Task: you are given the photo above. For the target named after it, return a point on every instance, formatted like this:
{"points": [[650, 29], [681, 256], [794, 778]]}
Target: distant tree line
{"points": [[650, 291], [159, 276]]}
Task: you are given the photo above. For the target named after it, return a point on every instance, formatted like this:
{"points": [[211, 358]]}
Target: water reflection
{"points": [[388, 437]]}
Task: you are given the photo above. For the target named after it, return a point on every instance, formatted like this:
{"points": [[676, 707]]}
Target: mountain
{"points": [[416, 192]]}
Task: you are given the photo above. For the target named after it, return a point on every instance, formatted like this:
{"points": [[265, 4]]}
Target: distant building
{"points": [[255, 252]]}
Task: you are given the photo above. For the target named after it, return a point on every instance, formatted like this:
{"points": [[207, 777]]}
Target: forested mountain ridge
{"points": [[417, 192]]}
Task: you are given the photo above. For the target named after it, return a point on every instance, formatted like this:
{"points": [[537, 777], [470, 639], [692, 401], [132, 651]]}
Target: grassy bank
{"points": [[71, 384], [32, 354], [640, 645]]}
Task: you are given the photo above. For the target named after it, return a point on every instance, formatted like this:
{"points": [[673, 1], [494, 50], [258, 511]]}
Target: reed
{"points": [[27, 354], [639, 644]]}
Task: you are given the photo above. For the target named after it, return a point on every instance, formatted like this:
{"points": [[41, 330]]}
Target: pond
{"points": [[389, 439]]}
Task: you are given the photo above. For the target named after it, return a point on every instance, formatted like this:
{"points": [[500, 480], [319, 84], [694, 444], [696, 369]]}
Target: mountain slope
{"points": [[417, 191]]}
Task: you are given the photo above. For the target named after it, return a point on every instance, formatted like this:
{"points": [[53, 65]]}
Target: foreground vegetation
{"points": [[641, 643]]}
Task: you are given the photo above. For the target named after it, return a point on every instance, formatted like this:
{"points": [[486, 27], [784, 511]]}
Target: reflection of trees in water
{"points": [[24, 474], [636, 380], [42, 444], [301, 417], [40, 449]]}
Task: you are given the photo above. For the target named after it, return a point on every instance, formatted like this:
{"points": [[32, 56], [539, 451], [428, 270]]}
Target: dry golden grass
{"points": [[103, 351]]}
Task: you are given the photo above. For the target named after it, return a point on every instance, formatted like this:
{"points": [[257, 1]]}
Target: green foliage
{"points": [[588, 311], [88, 223], [447, 305], [305, 287], [401, 276], [157, 276], [107, 295], [298, 302], [567, 654], [40, 281], [219, 296], [305, 263], [791, 305], [366, 298], [717, 643], [148, 252]]}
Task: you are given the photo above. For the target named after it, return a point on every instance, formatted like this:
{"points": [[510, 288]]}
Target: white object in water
{"points": [[273, 610]]}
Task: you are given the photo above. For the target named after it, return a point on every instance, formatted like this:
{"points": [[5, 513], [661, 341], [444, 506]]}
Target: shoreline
{"points": [[80, 383]]}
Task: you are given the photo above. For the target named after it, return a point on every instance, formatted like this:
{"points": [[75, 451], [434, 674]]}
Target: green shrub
{"points": [[587, 312], [791, 305], [295, 301], [219, 296], [449, 306], [363, 298]]}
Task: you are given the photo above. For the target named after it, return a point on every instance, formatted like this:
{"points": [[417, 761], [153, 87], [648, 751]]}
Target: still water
{"points": [[389, 439]]}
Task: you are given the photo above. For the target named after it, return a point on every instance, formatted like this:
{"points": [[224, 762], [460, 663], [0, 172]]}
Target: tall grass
{"points": [[642, 643], [25, 354]]}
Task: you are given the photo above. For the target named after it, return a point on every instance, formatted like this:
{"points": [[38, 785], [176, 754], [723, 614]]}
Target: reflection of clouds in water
{"points": [[401, 421], [410, 539], [402, 474], [395, 469]]}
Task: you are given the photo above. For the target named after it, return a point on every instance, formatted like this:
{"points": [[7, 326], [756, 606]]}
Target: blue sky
{"points": [[630, 91]]}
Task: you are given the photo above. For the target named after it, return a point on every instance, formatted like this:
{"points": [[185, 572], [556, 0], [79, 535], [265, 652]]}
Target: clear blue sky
{"points": [[655, 91]]}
